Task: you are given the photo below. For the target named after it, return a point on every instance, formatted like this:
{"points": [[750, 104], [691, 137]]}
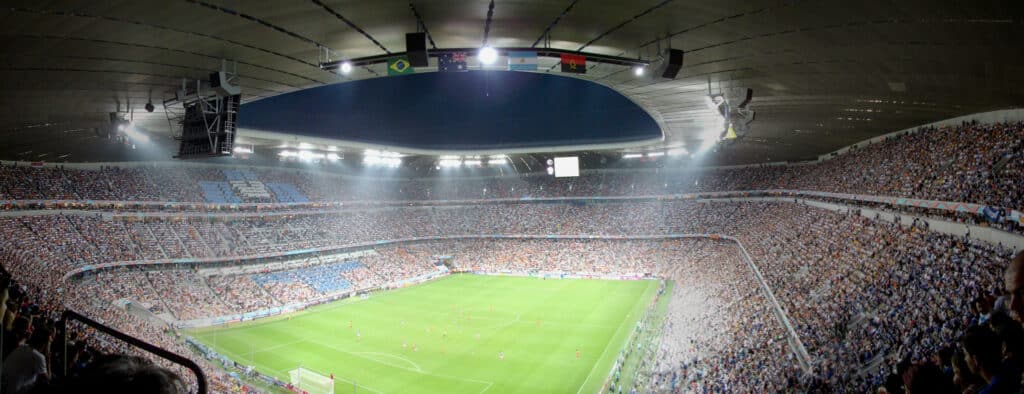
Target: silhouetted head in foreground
{"points": [[1014, 278], [127, 374]]}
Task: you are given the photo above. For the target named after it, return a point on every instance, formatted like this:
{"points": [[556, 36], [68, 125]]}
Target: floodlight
{"points": [[346, 67], [488, 55]]}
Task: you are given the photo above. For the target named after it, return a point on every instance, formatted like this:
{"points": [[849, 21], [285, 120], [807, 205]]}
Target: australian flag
{"points": [[454, 61]]}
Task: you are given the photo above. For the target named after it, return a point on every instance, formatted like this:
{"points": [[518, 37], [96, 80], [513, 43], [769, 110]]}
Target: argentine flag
{"points": [[522, 61]]}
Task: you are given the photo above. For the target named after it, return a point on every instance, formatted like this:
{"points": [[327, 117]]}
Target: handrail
{"points": [[795, 343], [163, 353], [189, 209]]}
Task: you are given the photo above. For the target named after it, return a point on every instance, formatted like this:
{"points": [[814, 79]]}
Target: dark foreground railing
{"points": [[172, 357]]}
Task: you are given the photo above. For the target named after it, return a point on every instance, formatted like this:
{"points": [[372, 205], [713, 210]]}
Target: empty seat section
{"points": [[286, 192]]}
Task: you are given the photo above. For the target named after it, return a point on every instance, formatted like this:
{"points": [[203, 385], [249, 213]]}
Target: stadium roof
{"points": [[824, 73], [461, 112]]}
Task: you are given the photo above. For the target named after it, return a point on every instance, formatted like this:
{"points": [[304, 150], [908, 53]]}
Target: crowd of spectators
{"points": [[41, 356], [871, 302], [973, 163], [581, 257], [845, 281], [720, 333]]}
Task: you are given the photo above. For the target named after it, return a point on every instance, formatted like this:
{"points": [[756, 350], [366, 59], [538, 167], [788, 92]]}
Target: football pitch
{"points": [[459, 334]]}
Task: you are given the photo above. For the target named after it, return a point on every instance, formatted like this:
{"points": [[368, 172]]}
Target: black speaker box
{"points": [[672, 63], [416, 49]]}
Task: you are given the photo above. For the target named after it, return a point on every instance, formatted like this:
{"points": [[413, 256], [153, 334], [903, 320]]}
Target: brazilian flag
{"points": [[399, 66]]}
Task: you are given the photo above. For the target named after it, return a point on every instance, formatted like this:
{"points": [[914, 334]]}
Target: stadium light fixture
{"points": [[333, 157], [487, 55], [638, 71], [346, 67], [632, 156], [655, 154], [242, 149], [447, 163], [382, 158], [305, 155], [473, 162], [678, 152], [497, 159]]}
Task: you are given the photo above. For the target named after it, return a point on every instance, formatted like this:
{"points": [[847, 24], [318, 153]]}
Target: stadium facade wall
{"points": [[986, 234]]}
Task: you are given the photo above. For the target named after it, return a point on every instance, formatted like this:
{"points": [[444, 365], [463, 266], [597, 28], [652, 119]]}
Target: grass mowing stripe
{"points": [[616, 341], [446, 336]]}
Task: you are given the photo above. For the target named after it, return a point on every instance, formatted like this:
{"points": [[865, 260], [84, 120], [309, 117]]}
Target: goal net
{"points": [[311, 382]]}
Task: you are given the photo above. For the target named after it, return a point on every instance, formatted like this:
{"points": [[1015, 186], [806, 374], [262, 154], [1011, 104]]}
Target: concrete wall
{"points": [[986, 234]]}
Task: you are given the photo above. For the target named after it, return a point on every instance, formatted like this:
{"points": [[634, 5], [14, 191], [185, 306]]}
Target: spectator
{"points": [[1014, 279], [928, 379], [26, 367], [120, 374], [982, 350], [19, 333]]}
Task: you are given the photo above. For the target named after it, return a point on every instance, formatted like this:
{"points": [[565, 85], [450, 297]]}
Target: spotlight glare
{"points": [[638, 71], [678, 152], [346, 67], [449, 163], [488, 55]]}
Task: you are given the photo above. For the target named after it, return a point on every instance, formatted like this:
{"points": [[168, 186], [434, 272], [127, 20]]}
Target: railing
{"points": [[794, 339], [186, 209], [70, 315]]}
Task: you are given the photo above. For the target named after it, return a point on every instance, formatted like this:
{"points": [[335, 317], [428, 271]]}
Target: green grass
{"points": [[458, 324], [647, 338]]}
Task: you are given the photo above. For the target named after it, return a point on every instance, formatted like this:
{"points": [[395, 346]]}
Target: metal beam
{"points": [[547, 30], [419, 20], [547, 52], [487, 24], [350, 24]]}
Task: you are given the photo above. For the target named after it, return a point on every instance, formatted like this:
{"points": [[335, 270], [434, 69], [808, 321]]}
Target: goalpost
{"points": [[311, 382]]}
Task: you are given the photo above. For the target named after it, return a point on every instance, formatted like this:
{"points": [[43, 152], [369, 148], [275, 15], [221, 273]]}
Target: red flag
{"points": [[574, 64]]}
